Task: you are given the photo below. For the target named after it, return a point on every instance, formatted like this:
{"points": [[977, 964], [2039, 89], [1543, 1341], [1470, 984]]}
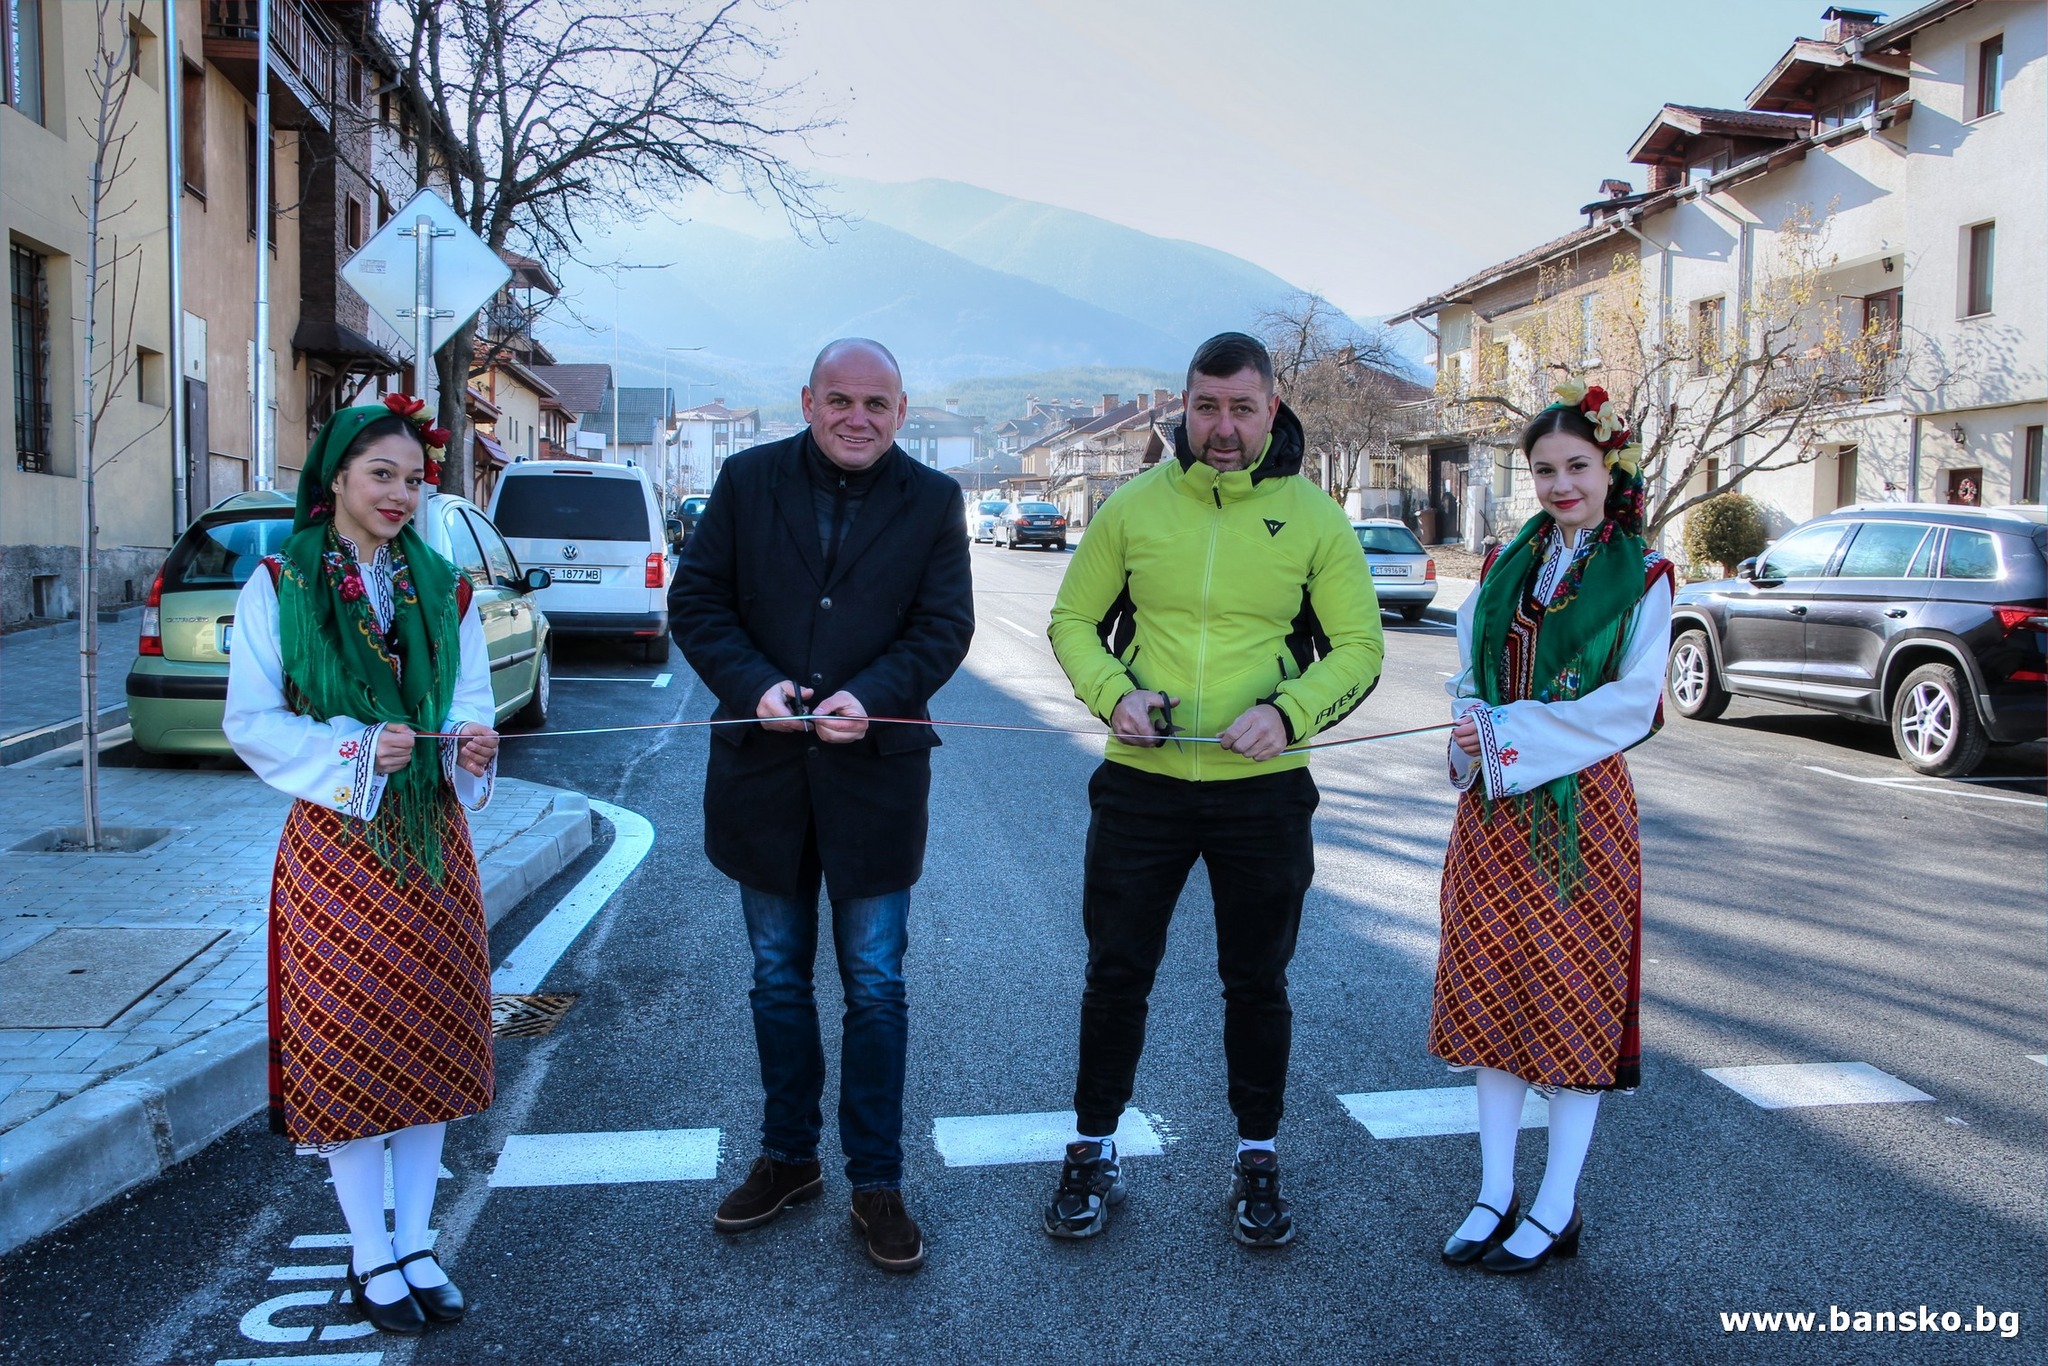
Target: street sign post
{"points": [[426, 272]]}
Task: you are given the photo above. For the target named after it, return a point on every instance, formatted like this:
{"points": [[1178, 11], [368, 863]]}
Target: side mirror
{"points": [[674, 526], [536, 579], [1747, 569]]}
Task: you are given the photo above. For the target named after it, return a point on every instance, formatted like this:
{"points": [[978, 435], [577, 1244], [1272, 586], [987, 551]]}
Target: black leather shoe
{"points": [[400, 1316], [1465, 1251], [770, 1188], [1565, 1243], [441, 1303]]}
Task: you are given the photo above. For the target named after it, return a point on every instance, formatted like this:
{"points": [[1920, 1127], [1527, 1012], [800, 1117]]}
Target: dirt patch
{"points": [[1455, 562]]}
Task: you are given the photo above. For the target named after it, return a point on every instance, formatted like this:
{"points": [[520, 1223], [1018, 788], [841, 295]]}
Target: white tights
{"points": [[1500, 1121], [358, 1169]]}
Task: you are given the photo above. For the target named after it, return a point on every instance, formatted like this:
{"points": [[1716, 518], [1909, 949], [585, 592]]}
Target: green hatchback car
{"points": [[178, 685]]}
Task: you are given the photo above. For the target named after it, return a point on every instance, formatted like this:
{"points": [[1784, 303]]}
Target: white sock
{"points": [[415, 1167], [358, 1169], [1571, 1133], [1108, 1142], [1500, 1122], [1248, 1145]]}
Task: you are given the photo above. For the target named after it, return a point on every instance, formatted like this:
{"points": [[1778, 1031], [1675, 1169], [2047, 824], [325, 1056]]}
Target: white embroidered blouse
{"points": [[333, 763], [1526, 744]]}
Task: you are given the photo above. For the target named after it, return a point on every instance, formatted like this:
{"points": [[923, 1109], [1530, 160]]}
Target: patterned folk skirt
{"points": [[380, 988], [1546, 990]]}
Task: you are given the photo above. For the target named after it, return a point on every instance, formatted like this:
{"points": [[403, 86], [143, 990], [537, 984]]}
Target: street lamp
{"points": [[618, 396]]}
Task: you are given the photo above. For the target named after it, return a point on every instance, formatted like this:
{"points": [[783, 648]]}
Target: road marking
{"points": [[1791, 1086], [1027, 634], [662, 680], [528, 965], [324, 1359], [990, 1140], [1927, 786], [257, 1327], [309, 1273], [1432, 1112], [607, 1158], [2041, 1058], [325, 1240]]}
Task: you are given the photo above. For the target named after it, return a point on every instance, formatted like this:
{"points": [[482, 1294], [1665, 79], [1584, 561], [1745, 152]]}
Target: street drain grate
{"points": [[527, 1017]]}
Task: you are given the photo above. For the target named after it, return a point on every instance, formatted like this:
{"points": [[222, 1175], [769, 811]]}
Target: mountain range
{"points": [[963, 284]]}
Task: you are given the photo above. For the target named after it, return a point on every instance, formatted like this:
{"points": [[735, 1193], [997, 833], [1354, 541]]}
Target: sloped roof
{"points": [[1575, 240], [640, 413], [582, 388], [1675, 123], [714, 412]]}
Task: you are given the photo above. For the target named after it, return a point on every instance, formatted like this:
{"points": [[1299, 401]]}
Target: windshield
{"points": [[993, 507], [694, 507], [1037, 509], [572, 507], [1388, 540], [223, 554]]}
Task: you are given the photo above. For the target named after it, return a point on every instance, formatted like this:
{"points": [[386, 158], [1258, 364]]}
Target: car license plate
{"points": [[573, 573], [1389, 571]]}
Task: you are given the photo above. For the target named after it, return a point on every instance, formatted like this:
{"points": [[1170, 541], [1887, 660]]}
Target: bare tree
{"points": [[1707, 394], [562, 117], [1340, 381], [108, 370]]}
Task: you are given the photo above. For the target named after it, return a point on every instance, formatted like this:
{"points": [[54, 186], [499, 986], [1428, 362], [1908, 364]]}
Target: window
{"points": [[1802, 555], [28, 277], [21, 56], [352, 220], [192, 129], [150, 386], [2030, 465], [1388, 540], [1983, 243], [1882, 550], [1846, 110], [497, 554], [1881, 316], [1707, 167], [1969, 555], [1706, 334], [1966, 486], [1845, 476], [1713, 471], [383, 209], [462, 548], [358, 84], [1991, 76]]}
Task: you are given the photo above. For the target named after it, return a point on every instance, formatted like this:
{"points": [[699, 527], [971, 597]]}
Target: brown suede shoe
{"points": [[892, 1237], [769, 1188]]}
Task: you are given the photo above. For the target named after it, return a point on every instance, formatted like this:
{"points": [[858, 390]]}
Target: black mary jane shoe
{"points": [[1565, 1243], [441, 1303], [1465, 1251], [400, 1316]]}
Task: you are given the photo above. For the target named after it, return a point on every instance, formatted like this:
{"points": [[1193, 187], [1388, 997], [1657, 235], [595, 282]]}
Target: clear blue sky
{"points": [[1372, 150]]}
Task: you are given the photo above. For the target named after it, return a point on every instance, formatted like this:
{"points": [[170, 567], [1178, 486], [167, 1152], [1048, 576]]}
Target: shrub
{"points": [[1725, 530]]}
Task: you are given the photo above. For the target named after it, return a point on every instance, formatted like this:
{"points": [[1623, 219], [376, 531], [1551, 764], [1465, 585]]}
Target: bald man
{"points": [[827, 583]]}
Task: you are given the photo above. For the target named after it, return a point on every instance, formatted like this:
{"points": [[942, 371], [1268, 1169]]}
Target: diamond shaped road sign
{"points": [[466, 272]]}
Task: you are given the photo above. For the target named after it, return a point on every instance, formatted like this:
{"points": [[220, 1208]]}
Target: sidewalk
{"points": [[134, 1034], [39, 684], [1450, 596]]}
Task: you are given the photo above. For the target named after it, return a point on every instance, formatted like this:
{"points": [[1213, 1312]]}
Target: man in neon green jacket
{"points": [[1197, 604]]}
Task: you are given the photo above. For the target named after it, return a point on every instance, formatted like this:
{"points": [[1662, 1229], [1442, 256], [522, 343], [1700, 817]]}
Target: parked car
{"points": [[981, 518], [178, 685], [594, 528], [688, 513], [1403, 573], [1023, 524], [1928, 618]]}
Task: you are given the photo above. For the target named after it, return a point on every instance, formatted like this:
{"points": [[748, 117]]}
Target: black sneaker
{"points": [[1090, 1183], [1259, 1216]]}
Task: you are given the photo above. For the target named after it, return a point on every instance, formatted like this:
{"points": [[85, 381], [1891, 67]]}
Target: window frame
{"points": [[1716, 307], [33, 363], [1990, 77], [1980, 269], [1841, 530], [1948, 539], [1848, 552], [192, 129], [16, 92], [2031, 457]]}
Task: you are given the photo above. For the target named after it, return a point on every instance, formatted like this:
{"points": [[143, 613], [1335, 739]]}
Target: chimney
{"points": [[953, 406], [1160, 397], [1616, 189], [1844, 24], [1663, 177], [1109, 401]]}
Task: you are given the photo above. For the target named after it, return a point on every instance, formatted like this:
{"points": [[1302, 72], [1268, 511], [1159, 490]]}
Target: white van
{"points": [[595, 529]]}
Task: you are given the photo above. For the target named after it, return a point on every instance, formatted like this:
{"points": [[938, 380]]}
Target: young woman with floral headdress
{"points": [[355, 637], [1538, 976]]}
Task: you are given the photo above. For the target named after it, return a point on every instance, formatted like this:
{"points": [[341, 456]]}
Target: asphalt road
{"points": [[1806, 904]]}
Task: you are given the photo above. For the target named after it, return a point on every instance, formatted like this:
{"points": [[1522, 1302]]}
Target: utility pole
{"points": [[173, 79], [259, 357]]}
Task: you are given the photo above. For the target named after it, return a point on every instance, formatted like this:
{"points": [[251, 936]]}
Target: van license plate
{"points": [[1389, 571], [573, 573]]}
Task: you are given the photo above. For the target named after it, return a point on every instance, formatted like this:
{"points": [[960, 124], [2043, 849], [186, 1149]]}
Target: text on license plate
{"points": [[574, 573], [1389, 571]]}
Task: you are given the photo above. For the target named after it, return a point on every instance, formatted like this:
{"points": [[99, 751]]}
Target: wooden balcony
{"points": [[305, 57]]}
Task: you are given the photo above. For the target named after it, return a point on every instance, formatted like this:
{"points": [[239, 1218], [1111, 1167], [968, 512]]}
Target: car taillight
{"points": [[1429, 568], [1059, 521], [2022, 619], [152, 641], [657, 567]]}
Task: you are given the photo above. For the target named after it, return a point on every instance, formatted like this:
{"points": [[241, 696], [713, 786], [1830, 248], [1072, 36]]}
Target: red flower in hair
{"points": [[1594, 399], [433, 475], [404, 405], [436, 437]]}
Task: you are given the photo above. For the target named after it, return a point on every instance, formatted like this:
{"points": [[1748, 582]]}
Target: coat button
{"points": [[817, 678], [812, 751], [825, 603]]}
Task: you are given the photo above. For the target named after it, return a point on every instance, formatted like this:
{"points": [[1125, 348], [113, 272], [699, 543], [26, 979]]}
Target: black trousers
{"points": [[1145, 832]]}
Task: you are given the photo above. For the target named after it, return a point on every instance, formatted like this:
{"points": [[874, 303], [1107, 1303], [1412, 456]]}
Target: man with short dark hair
{"points": [[827, 582], [1197, 606]]}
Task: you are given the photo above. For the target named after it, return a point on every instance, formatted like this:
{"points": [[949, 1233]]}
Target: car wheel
{"points": [[1412, 613], [1934, 723], [534, 714], [1696, 693], [654, 651]]}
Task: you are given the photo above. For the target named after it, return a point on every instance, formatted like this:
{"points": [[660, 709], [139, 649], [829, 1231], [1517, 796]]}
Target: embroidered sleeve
{"points": [[472, 704]]}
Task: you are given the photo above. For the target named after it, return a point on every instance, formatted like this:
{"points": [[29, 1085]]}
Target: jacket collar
{"points": [[793, 497]]}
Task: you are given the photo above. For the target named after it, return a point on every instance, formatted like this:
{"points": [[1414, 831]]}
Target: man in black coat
{"points": [[827, 582]]}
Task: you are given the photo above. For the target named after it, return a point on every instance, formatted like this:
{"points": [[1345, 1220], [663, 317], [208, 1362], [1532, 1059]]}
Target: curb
{"points": [[28, 744], [114, 1136]]}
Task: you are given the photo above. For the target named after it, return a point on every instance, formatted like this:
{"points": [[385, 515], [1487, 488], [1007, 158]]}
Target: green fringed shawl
{"points": [[1579, 646], [337, 662]]}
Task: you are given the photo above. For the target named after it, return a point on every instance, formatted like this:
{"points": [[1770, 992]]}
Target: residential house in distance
{"points": [[941, 437], [706, 435], [635, 433], [581, 391], [1915, 153]]}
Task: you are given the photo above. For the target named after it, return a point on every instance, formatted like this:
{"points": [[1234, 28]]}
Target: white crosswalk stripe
{"points": [[1789, 1086], [603, 1159], [990, 1140], [1431, 1113]]}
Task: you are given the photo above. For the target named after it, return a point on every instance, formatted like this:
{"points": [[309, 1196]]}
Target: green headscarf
{"points": [[1578, 647], [336, 661]]}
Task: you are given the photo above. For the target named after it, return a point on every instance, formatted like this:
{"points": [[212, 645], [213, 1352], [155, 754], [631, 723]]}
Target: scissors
{"points": [[794, 698], [1164, 725]]}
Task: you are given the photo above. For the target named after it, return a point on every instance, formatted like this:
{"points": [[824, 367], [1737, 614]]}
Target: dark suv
{"points": [[1925, 617]]}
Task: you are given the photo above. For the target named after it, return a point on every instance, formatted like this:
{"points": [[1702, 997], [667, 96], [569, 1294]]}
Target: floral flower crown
{"points": [[1610, 425], [435, 439]]}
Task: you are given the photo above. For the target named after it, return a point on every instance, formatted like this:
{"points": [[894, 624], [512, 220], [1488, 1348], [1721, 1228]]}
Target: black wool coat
{"points": [[751, 606]]}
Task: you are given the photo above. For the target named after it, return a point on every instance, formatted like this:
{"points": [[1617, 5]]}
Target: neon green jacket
{"points": [[1212, 577]]}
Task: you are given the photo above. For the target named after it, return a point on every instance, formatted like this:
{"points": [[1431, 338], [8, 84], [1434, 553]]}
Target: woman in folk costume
{"points": [[1538, 977], [356, 636]]}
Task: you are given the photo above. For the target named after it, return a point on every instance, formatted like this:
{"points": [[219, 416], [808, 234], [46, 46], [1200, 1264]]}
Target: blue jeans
{"points": [[870, 935]]}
